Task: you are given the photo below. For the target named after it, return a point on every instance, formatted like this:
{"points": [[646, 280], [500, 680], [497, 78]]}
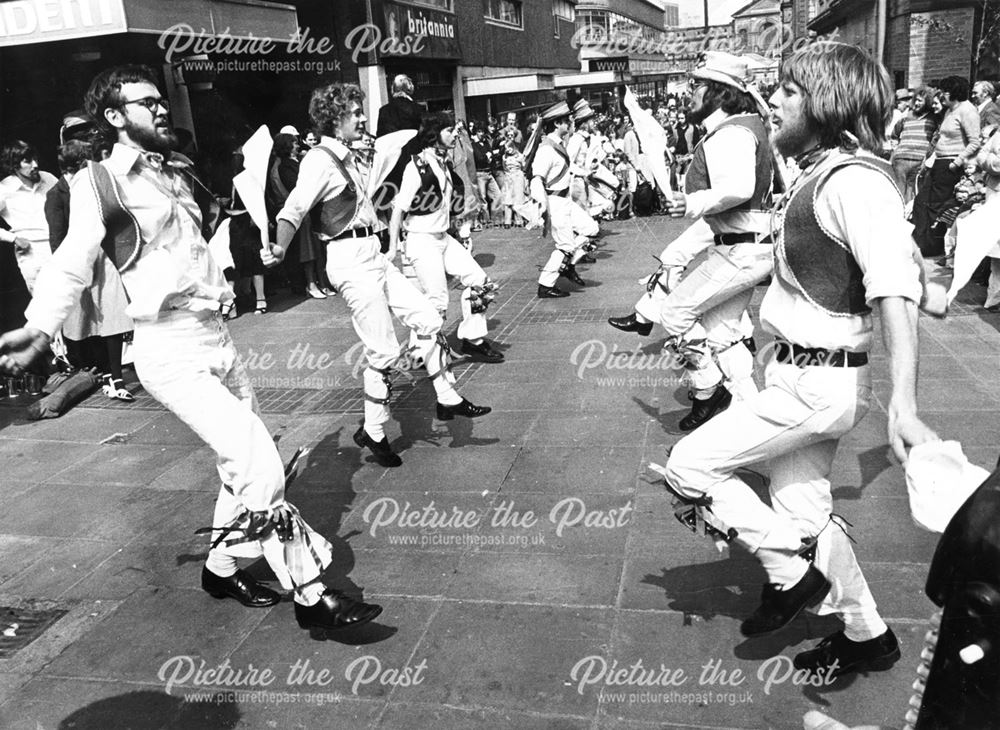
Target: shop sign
{"points": [[39, 21], [609, 64], [436, 30]]}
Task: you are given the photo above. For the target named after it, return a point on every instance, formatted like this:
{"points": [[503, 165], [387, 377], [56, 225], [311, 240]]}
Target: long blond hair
{"points": [[848, 94]]}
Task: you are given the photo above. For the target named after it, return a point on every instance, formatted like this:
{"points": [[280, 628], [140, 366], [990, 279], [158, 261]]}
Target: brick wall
{"points": [[897, 52], [940, 45], [859, 30]]}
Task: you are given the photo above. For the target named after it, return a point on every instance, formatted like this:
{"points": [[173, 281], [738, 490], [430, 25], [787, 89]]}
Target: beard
{"points": [[152, 139], [699, 115], [792, 139], [34, 177]]}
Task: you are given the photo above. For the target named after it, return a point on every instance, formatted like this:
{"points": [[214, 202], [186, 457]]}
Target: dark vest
{"points": [[331, 217], [697, 177], [122, 239], [429, 197], [823, 268], [560, 174]]}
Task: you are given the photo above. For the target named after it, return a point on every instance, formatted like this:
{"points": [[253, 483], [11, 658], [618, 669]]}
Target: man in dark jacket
{"points": [[402, 112]]}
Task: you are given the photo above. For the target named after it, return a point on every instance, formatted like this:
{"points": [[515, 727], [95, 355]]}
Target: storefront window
{"points": [[505, 11]]}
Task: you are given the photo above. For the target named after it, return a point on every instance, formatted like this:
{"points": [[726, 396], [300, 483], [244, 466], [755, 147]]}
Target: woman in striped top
{"points": [[913, 134], [955, 144]]}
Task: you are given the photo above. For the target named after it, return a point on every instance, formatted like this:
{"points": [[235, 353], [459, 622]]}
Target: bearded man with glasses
{"points": [[135, 213]]}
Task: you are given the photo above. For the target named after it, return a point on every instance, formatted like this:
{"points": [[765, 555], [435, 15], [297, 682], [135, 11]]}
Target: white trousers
{"points": [[795, 423], [714, 292], [31, 261], [374, 290], [571, 229], [188, 362], [434, 257]]}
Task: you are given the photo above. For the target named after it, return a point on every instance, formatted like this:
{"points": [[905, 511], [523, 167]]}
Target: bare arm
{"points": [[899, 332]]}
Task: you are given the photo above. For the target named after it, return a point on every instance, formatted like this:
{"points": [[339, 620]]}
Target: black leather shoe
{"points": [[705, 410], [631, 324], [777, 608], [551, 292], [588, 259], [239, 585], [465, 408], [384, 455], [483, 352], [839, 655], [335, 611], [571, 274]]}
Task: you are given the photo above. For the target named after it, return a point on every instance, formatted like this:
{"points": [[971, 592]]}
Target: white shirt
{"points": [[548, 162], [863, 208], [436, 222], [23, 207], [320, 180], [174, 271], [731, 158], [577, 147]]}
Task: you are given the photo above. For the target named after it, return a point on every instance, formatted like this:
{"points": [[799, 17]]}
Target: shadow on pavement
{"points": [[727, 587], [147, 710]]}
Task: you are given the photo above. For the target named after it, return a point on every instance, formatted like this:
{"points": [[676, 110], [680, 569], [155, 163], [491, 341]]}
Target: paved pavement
{"points": [[528, 563]]}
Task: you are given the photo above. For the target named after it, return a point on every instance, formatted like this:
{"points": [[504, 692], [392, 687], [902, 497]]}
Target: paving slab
{"points": [[151, 627]]}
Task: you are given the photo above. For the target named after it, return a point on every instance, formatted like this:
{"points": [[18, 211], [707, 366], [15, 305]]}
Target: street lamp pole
{"points": [[706, 16]]}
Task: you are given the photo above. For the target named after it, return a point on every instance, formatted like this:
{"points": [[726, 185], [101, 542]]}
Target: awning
{"points": [[40, 21], [592, 78], [495, 85]]}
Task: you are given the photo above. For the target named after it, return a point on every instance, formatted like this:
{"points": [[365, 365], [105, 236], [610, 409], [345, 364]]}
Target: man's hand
{"points": [[677, 205], [283, 523], [272, 255], [906, 430], [21, 244], [673, 276], [21, 347]]}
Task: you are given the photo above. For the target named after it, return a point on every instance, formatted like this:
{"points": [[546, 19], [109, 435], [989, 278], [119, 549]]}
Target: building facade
{"points": [[918, 40], [479, 58], [758, 28], [623, 41]]}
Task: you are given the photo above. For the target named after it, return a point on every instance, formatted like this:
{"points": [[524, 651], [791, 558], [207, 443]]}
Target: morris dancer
{"points": [[843, 246], [571, 227], [136, 210], [330, 180], [430, 192], [727, 190]]}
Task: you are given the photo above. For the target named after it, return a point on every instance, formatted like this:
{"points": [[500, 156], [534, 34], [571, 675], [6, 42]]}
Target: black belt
{"points": [[355, 233], [786, 352], [559, 194], [731, 239]]}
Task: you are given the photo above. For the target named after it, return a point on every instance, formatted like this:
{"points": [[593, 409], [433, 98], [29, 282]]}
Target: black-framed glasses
{"points": [[152, 103]]}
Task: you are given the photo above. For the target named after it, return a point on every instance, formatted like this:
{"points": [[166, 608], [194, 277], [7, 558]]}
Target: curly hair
{"points": [[105, 92], [330, 104], [14, 153], [73, 155], [431, 126], [849, 96]]}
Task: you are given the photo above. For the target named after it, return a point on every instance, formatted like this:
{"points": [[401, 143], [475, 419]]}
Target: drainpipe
{"points": [[881, 27]]}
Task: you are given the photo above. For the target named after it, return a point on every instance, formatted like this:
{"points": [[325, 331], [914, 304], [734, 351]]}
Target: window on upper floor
{"points": [[447, 5], [507, 12], [564, 9]]}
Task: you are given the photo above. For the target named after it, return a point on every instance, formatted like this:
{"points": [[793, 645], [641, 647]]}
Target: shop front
{"points": [[419, 41]]}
